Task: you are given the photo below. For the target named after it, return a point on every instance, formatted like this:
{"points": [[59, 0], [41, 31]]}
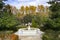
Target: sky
{"points": [[19, 3]]}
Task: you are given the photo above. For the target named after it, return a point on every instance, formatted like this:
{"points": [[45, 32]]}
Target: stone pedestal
{"points": [[31, 34]]}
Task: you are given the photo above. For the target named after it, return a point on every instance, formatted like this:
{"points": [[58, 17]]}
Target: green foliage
{"points": [[2, 4], [53, 21], [52, 25], [55, 8], [51, 2], [34, 24], [27, 18], [51, 35], [7, 9], [7, 20], [36, 19], [21, 26]]}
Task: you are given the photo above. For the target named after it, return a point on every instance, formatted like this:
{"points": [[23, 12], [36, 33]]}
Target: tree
{"points": [[53, 22], [27, 18], [7, 7], [22, 9], [34, 24], [43, 12], [1, 7], [40, 8], [1, 4], [7, 20], [52, 25], [8, 23], [27, 10], [32, 10]]}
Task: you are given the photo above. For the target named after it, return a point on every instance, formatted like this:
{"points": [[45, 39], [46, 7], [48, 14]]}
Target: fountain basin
{"points": [[30, 32]]}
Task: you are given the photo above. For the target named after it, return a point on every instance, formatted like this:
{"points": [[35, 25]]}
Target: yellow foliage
{"points": [[33, 8], [22, 8], [27, 9], [40, 7]]}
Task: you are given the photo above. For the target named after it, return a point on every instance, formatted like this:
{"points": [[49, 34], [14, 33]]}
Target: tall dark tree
{"points": [[54, 20], [52, 25], [2, 4], [1, 7]]}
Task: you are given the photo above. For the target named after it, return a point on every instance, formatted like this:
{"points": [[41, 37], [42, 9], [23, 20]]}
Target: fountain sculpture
{"points": [[29, 33]]}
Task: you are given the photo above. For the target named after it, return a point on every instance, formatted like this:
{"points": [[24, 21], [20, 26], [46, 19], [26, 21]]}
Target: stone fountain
{"points": [[29, 33]]}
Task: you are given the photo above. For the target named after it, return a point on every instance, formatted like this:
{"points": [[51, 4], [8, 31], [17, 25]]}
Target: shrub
{"points": [[51, 35]]}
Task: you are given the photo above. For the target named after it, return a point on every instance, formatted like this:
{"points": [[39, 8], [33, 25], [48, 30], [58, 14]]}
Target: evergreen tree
{"points": [[53, 22]]}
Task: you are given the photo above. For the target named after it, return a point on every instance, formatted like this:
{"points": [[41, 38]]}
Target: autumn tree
{"points": [[40, 8], [27, 10], [22, 9], [32, 9]]}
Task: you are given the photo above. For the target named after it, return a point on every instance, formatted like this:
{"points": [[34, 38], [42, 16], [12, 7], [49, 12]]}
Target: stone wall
{"points": [[30, 37]]}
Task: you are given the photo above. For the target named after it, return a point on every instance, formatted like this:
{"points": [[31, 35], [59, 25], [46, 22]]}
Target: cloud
{"points": [[19, 3]]}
